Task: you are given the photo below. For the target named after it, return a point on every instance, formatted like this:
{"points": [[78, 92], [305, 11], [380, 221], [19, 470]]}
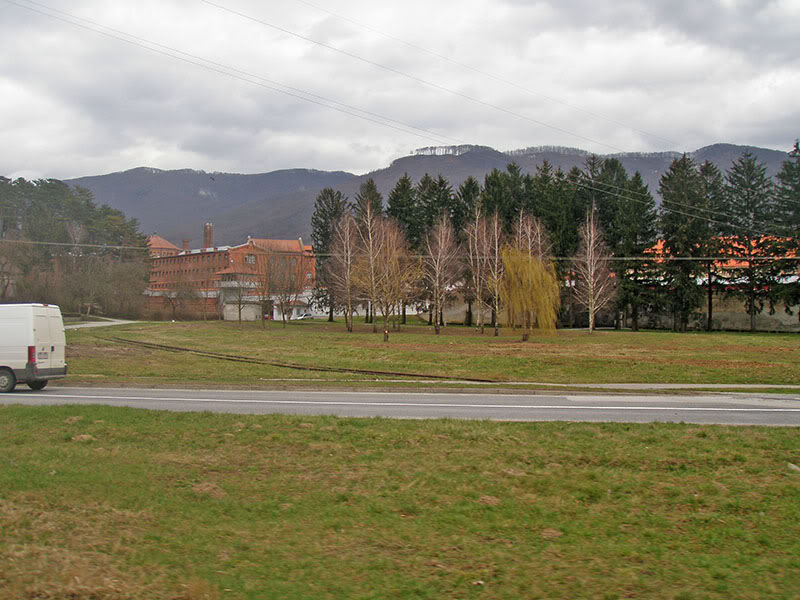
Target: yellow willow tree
{"points": [[530, 291]]}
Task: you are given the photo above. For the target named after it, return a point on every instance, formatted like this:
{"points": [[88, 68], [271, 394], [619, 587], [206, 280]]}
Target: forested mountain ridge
{"points": [[175, 204]]}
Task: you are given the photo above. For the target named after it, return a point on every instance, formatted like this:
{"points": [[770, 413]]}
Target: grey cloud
{"points": [[99, 104]]}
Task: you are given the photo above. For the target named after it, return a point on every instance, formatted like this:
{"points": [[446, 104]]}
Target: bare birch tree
{"points": [[396, 273], [594, 287], [494, 263], [531, 237], [441, 266], [369, 242], [477, 263], [344, 252]]}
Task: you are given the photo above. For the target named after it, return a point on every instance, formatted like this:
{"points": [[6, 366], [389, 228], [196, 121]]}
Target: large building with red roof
{"points": [[205, 282]]}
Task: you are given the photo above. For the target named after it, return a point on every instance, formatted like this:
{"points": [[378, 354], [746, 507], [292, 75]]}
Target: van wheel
{"points": [[7, 380], [37, 385]]}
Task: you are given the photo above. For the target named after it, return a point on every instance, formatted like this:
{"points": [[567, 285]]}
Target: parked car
{"points": [[32, 345], [304, 316]]}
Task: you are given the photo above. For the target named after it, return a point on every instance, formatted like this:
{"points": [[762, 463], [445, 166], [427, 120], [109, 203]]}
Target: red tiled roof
{"points": [[156, 241], [278, 245]]}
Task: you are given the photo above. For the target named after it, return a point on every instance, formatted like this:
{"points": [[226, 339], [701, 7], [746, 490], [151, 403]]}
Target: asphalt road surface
{"points": [[731, 409]]}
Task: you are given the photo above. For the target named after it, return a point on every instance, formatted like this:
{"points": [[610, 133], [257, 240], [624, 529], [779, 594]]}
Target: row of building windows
{"points": [[197, 284], [215, 258]]}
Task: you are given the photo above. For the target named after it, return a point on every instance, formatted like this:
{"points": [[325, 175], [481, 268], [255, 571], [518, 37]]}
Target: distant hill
{"points": [[175, 204]]}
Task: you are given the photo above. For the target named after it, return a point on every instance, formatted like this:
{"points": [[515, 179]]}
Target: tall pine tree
{"points": [[750, 210], [329, 207], [635, 222], [683, 228], [714, 209], [788, 213]]}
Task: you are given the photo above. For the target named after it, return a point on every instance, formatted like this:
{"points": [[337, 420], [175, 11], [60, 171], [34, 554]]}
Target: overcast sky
{"points": [[625, 75]]}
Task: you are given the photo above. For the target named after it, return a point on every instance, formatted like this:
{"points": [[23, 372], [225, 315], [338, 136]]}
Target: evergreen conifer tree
{"points": [[788, 213], [750, 210], [683, 228], [329, 207], [635, 224]]}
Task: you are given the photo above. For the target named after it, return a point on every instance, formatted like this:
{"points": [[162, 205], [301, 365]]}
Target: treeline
{"points": [[58, 246], [734, 234]]}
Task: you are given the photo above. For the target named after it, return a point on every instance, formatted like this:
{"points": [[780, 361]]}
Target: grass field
{"points": [[565, 357], [107, 503]]}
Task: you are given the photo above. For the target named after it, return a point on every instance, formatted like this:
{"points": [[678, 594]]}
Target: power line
{"points": [[484, 73], [679, 212], [237, 73], [647, 197], [653, 258], [407, 75], [70, 245], [244, 76]]}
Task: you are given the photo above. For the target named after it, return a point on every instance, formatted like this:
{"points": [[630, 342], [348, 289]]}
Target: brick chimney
{"points": [[208, 235], [185, 245]]}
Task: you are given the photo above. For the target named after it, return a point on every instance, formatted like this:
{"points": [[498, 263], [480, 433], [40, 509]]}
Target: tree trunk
{"points": [[330, 313], [468, 319], [635, 316], [403, 320], [710, 299]]}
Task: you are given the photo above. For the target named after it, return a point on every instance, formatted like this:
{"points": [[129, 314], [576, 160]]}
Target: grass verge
{"points": [[107, 502], [566, 357]]}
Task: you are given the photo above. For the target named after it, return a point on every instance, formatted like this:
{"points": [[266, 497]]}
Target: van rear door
{"points": [[58, 341], [41, 337]]}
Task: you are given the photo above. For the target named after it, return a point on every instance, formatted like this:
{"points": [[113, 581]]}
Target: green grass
{"points": [[565, 357], [196, 505]]}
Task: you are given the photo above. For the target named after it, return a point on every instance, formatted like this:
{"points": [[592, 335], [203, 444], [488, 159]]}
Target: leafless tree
{"points": [[290, 279], [180, 295], [531, 237], [441, 266], [594, 287], [495, 240], [9, 266], [396, 271], [344, 251], [125, 283], [264, 283], [477, 264], [370, 249]]}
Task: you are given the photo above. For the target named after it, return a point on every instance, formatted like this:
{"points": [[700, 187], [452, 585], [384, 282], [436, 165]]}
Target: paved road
{"points": [[733, 409], [103, 323]]}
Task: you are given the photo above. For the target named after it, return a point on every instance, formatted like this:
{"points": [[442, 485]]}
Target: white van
{"points": [[32, 345]]}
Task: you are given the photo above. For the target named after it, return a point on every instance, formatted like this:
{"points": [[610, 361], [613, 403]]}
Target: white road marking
{"points": [[414, 404]]}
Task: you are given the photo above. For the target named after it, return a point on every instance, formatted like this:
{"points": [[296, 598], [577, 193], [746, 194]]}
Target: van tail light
{"points": [[32, 354]]}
